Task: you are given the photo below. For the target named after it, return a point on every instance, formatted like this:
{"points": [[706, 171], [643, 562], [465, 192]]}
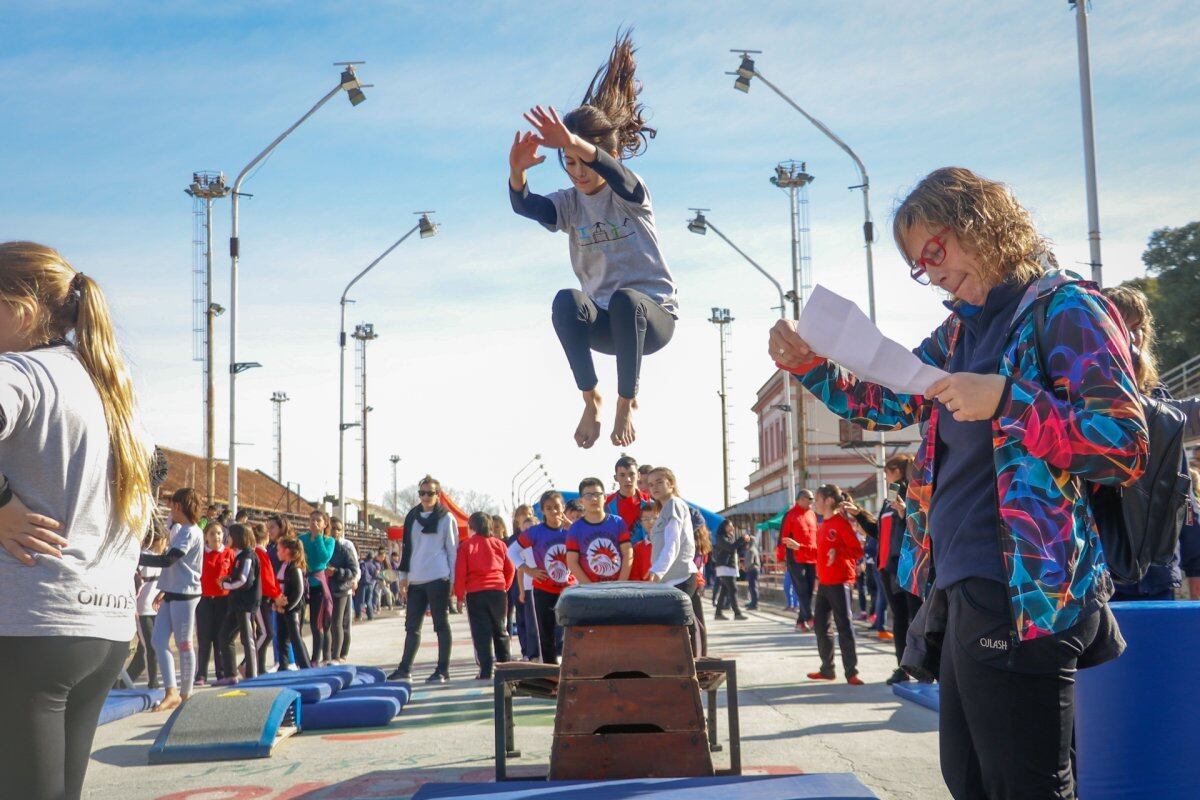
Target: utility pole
{"points": [[278, 399], [364, 333], [794, 178], [206, 187], [395, 495], [721, 318], [1089, 136]]}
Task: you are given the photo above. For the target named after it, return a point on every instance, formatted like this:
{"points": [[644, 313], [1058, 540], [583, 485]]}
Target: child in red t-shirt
{"points": [[214, 601], [838, 552]]}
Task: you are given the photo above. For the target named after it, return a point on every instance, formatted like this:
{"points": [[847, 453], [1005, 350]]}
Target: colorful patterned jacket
{"points": [[1047, 444]]}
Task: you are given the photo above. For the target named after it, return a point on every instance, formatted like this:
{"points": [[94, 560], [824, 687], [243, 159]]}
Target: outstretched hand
{"points": [[787, 347], [551, 130], [523, 154]]}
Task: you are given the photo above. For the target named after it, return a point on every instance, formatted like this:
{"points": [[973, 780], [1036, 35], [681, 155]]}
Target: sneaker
{"points": [[720, 615], [400, 675], [862, 616], [871, 619], [293, 668], [437, 677], [482, 677], [854, 680], [821, 676], [740, 615], [887, 636], [899, 676], [226, 682]]}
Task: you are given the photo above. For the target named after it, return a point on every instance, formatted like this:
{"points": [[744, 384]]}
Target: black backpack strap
{"points": [[1039, 347]]}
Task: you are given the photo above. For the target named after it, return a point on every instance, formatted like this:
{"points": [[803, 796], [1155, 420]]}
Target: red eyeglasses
{"points": [[933, 253]]}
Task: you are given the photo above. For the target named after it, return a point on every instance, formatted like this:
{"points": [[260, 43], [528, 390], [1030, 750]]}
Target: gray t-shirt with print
{"points": [[54, 450], [614, 245]]}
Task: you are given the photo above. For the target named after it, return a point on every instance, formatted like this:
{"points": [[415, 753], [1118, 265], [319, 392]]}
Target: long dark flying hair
{"points": [[610, 116]]}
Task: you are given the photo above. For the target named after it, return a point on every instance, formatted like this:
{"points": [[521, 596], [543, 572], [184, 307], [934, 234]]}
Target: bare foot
{"points": [[589, 424], [170, 701], [623, 433]]}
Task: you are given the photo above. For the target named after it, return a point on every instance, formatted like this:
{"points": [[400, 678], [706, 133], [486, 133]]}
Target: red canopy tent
{"points": [[396, 532]]}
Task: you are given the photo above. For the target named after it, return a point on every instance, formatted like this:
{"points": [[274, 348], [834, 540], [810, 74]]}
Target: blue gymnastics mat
{"points": [[923, 694], [350, 712], [230, 723], [122, 703], [828, 786]]}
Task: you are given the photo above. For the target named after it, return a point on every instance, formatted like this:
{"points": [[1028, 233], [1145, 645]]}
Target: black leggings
{"points": [[804, 578], [320, 638], [633, 325], [834, 600], [145, 657], [210, 613], [290, 632], [339, 634], [51, 691], [904, 608], [697, 631], [238, 624], [544, 604], [727, 594], [487, 616], [432, 596], [266, 610]]}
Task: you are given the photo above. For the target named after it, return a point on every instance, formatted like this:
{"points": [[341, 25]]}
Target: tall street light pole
{"points": [[427, 229], [363, 334], [395, 494], [512, 489], [721, 318], [209, 186], [699, 225], [745, 71], [277, 400], [1089, 136], [353, 88]]}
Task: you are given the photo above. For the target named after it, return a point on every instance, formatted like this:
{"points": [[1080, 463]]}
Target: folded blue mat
{"points": [[367, 676], [343, 672], [122, 703], [400, 692], [333, 683], [350, 712], [842, 786], [923, 694]]}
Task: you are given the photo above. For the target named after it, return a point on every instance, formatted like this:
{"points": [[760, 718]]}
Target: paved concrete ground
{"points": [[789, 724]]}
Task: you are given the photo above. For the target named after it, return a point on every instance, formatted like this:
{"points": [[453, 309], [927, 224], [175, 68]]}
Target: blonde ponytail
{"points": [[55, 300]]}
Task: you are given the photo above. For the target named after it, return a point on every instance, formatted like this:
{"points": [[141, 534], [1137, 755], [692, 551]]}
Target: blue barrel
{"points": [[1135, 718]]}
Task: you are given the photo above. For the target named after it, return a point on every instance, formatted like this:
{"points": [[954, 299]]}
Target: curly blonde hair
{"points": [[1134, 308], [984, 217]]}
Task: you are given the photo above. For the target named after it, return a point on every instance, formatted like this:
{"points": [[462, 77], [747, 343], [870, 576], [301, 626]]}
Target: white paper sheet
{"points": [[837, 329]]}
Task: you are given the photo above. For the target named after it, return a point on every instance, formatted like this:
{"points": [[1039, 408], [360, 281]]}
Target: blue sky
{"points": [[107, 108]]}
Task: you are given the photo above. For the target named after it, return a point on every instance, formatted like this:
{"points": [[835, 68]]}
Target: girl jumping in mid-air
{"points": [[627, 306]]}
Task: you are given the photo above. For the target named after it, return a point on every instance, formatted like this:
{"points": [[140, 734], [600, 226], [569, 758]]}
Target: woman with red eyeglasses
{"points": [[998, 499]]}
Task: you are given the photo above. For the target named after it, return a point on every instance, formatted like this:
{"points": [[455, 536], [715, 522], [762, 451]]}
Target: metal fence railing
{"points": [[1183, 380]]}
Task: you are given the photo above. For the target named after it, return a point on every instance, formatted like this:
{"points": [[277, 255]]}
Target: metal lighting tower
{"points": [[701, 224], [206, 187], [353, 88], [745, 71], [278, 399], [363, 333], [427, 229], [395, 495], [720, 317], [1089, 140]]}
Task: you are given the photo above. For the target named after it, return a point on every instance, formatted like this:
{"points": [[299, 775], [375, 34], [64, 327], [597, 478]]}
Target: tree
{"points": [[1172, 259], [468, 500]]}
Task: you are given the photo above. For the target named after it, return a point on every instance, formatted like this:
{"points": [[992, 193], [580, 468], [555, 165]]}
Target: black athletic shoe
{"points": [[720, 615], [400, 675], [437, 677], [899, 676], [740, 616]]}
